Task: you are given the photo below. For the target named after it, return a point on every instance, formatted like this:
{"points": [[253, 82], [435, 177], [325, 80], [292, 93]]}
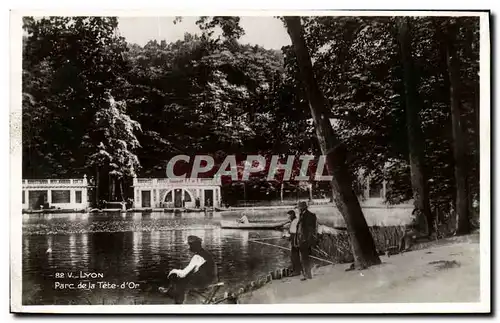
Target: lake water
{"points": [[138, 250]]}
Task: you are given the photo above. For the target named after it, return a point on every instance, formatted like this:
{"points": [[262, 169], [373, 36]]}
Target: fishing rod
{"points": [[284, 248]]}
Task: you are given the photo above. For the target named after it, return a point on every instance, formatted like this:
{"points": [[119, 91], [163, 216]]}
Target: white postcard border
{"points": [[16, 175]]}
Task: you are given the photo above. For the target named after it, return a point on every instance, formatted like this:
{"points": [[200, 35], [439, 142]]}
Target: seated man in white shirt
{"points": [[199, 273]]}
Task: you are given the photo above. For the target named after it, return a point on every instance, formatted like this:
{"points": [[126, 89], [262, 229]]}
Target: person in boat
{"points": [[198, 274], [295, 253], [305, 238], [244, 219]]}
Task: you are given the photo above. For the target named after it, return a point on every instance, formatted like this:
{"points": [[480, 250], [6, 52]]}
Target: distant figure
{"points": [[413, 231], [128, 203], [305, 238], [244, 220], [199, 273], [197, 202], [209, 202], [295, 252]]}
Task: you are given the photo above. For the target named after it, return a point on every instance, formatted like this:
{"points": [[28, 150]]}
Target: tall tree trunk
{"points": [[474, 171], [415, 136], [281, 192], [245, 193], [121, 190], [111, 188], [97, 181], [363, 246], [461, 201]]}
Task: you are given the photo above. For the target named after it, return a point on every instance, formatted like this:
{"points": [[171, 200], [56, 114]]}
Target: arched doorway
{"points": [[179, 197]]}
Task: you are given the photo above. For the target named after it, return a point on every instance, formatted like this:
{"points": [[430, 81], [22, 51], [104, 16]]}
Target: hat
{"points": [[193, 239], [302, 204]]}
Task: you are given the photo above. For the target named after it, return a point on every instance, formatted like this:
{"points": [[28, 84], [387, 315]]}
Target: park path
{"points": [[442, 273]]}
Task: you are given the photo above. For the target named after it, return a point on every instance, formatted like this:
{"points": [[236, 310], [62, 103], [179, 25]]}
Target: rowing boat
{"points": [[251, 225]]}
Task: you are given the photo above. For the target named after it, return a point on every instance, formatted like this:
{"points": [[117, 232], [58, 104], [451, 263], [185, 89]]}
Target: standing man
{"points": [[306, 238], [295, 253]]}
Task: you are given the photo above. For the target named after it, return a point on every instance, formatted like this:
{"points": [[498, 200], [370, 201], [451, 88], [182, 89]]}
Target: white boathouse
{"points": [[176, 193], [55, 193]]}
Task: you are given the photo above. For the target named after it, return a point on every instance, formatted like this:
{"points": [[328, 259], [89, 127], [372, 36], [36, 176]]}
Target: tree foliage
{"points": [[210, 94], [69, 64], [367, 99]]}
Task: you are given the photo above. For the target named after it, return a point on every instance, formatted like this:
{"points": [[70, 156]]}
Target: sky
{"points": [[267, 32]]}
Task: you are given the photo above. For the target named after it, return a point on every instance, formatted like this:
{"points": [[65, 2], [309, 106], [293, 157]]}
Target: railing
{"points": [[60, 181], [176, 181], [63, 182]]}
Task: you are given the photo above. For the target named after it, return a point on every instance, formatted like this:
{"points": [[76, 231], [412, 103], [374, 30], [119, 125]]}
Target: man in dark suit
{"points": [[306, 238]]}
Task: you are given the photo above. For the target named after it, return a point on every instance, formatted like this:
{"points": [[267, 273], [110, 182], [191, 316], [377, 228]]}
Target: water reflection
{"points": [[72, 249], [142, 249], [84, 248], [155, 243], [136, 248], [49, 250], [137, 240], [238, 235], [26, 247]]}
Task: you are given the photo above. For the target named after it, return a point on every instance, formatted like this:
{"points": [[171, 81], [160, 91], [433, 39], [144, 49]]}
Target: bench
{"points": [[208, 294], [411, 238]]}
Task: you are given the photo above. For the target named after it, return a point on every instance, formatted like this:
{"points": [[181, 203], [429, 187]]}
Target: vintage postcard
{"points": [[251, 162]]}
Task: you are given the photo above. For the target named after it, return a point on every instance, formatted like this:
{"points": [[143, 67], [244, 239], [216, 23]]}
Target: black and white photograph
{"points": [[305, 161]]}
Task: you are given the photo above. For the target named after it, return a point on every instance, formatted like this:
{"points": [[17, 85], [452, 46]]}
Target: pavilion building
{"points": [[69, 194], [176, 193]]}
